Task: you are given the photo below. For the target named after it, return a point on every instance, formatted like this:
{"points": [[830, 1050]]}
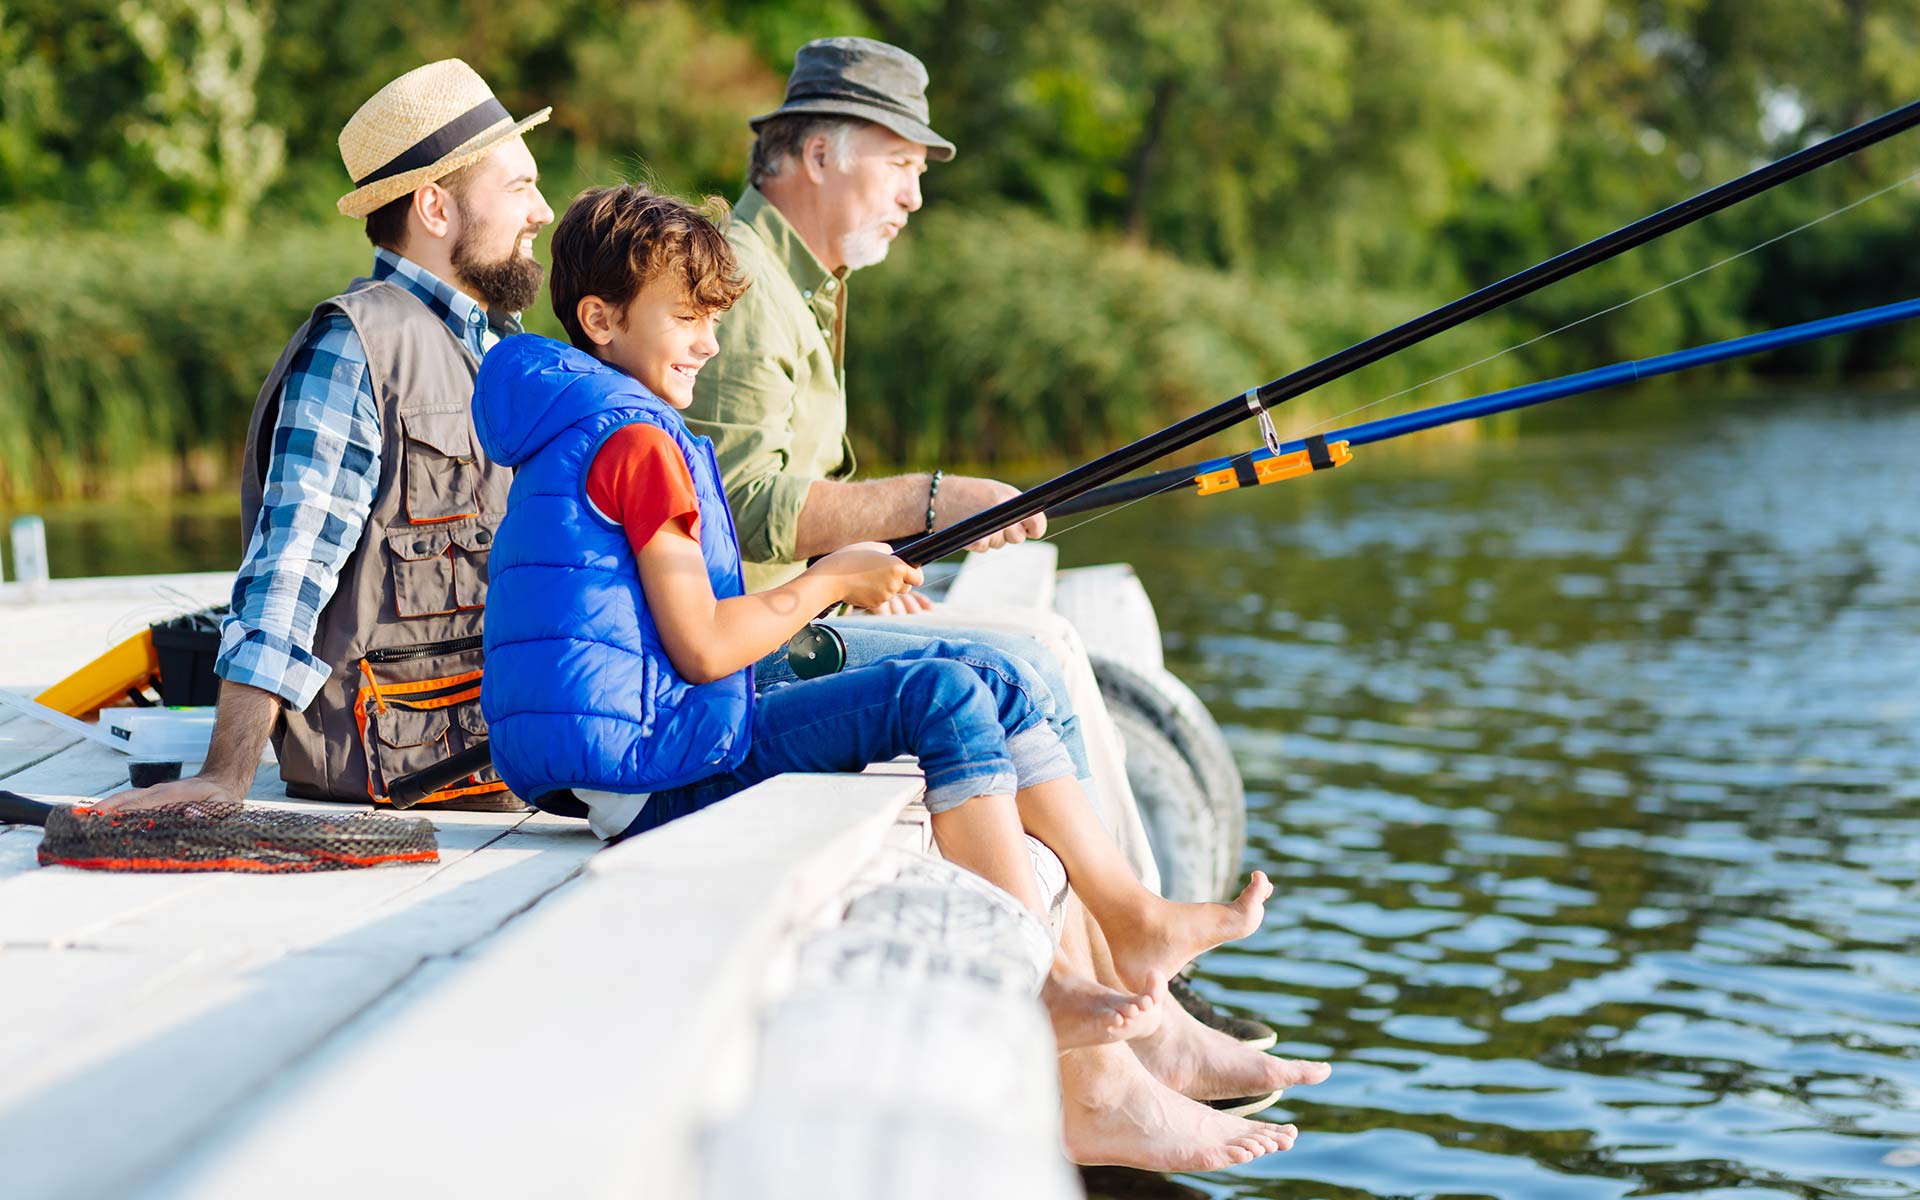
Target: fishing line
{"points": [[1330, 422], [1114, 508], [1181, 478]]}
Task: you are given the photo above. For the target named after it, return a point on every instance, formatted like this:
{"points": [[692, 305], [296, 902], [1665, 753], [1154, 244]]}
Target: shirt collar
{"points": [[771, 224], [461, 312]]}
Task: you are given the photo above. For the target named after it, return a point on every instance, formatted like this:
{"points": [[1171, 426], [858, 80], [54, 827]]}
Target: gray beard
{"points": [[864, 247]]}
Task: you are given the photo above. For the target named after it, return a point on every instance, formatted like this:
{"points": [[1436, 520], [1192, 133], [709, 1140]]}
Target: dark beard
{"points": [[511, 284]]}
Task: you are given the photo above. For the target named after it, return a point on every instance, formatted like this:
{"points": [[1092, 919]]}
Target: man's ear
{"points": [[816, 155], [433, 208], [596, 318]]}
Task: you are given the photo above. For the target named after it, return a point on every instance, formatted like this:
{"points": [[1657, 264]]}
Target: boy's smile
{"points": [[663, 340]]}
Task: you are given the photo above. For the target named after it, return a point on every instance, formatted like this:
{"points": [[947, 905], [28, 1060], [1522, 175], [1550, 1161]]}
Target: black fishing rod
{"points": [[1257, 401], [931, 547], [1291, 459]]}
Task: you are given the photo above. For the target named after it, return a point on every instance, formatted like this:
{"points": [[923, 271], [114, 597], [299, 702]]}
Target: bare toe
{"points": [[1115, 1113], [1085, 1013]]}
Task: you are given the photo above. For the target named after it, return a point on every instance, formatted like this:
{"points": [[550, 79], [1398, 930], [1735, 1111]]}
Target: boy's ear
{"points": [[596, 318]]}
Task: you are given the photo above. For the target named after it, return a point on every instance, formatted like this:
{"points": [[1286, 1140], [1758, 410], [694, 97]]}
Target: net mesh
{"points": [[228, 836]]}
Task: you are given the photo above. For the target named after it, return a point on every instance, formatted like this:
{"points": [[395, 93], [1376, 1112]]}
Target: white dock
{"points": [[784, 995]]}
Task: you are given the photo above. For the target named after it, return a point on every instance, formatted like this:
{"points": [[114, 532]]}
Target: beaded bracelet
{"points": [[933, 489]]}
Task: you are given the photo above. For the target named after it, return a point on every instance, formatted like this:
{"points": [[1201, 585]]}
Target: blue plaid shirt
{"points": [[319, 491]]}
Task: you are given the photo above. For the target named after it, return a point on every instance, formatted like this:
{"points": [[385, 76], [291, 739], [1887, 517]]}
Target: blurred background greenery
{"points": [[1155, 204]]}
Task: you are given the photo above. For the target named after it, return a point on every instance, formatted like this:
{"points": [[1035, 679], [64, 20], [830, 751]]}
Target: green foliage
{"points": [[999, 335], [118, 354], [1154, 204]]}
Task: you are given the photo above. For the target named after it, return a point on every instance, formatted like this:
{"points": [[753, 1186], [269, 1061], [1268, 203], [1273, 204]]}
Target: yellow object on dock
{"points": [[109, 679]]}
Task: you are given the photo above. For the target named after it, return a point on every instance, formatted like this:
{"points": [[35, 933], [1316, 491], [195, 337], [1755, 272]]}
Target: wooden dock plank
{"points": [[60, 907], [1018, 576], [1110, 608], [194, 1014], [154, 1067], [578, 1013], [19, 851], [77, 771], [25, 743]]}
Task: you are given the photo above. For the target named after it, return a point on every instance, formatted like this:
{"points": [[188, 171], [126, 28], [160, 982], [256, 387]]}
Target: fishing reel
{"points": [[817, 650]]}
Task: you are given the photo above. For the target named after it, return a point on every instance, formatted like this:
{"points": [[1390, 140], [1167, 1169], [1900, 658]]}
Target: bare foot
{"points": [[1117, 1115], [1162, 937], [1085, 1012], [1205, 1064]]}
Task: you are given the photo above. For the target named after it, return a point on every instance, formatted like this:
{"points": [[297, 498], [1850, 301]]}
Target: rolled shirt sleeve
{"points": [[750, 419], [318, 493]]}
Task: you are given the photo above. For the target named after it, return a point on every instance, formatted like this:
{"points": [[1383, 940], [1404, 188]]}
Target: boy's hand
{"points": [[867, 574]]}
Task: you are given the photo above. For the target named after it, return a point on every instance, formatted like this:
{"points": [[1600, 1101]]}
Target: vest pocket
{"points": [[471, 544], [409, 723], [441, 468], [409, 739], [423, 571], [437, 569]]}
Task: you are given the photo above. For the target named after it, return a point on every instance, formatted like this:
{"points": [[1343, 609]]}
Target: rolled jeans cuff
{"points": [[1038, 755], [950, 793]]}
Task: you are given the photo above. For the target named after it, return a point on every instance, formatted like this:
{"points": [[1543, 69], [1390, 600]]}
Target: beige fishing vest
{"points": [[402, 631]]}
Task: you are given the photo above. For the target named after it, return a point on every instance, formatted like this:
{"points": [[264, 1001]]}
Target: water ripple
{"points": [[1589, 771]]}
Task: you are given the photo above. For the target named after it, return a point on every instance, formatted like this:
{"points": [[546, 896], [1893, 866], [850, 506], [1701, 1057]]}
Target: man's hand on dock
{"points": [[195, 789], [240, 727]]}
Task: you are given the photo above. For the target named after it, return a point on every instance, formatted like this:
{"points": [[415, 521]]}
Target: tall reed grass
{"points": [[129, 361]]}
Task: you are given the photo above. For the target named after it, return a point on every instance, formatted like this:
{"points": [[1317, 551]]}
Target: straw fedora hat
{"points": [[423, 126]]}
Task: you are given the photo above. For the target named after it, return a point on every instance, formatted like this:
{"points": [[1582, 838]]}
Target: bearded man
{"points": [[367, 505]]}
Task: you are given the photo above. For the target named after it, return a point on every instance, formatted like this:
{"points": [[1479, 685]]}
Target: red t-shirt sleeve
{"points": [[639, 480]]}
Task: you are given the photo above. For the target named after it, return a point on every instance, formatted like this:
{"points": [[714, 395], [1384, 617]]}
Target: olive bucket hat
{"points": [[859, 77], [423, 126]]}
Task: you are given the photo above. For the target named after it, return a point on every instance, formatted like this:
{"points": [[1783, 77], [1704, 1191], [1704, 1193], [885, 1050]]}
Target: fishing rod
{"points": [[1256, 402], [1288, 460]]}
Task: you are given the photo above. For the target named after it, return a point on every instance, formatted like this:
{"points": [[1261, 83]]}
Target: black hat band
{"points": [[442, 141]]}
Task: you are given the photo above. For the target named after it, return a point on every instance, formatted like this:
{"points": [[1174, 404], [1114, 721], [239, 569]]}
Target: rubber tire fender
{"points": [[1196, 824]]}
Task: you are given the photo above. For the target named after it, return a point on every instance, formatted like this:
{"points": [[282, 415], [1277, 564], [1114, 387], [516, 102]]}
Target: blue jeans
{"points": [[871, 640], [961, 708]]}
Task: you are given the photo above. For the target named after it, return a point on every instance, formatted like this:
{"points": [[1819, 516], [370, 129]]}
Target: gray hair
{"points": [[782, 139]]}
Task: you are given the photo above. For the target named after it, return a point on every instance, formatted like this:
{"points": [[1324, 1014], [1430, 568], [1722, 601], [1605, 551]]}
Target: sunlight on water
{"points": [[1588, 768]]}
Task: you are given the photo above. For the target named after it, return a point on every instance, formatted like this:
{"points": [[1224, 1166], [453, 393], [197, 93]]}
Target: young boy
{"points": [[619, 641]]}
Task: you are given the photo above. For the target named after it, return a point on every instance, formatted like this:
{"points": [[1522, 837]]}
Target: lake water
{"points": [[1587, 764]]}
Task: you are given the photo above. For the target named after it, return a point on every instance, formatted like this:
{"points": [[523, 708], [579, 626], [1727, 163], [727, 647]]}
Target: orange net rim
{"points": [[316, 861]]}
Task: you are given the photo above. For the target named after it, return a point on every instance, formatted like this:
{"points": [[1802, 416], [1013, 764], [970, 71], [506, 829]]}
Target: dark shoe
{"points": [[1245, 1106], [1252, 1033]]}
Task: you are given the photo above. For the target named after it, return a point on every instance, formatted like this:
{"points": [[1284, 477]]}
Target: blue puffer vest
{"points": [[578, 691]]}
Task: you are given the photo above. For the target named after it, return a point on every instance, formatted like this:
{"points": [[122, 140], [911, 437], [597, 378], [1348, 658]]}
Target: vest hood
{"points": [[531, 388]]}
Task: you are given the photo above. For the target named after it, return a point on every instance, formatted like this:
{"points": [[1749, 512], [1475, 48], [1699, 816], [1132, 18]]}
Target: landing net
{"points": [[231, 837]]}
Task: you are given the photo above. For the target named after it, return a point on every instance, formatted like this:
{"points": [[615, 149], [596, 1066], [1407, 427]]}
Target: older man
{"points": [[834, 179], [367, 504], [835, 176]]}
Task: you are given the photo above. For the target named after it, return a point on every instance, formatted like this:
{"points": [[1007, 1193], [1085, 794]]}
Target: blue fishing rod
{"points": [[1303, 456], [1256, 402]]}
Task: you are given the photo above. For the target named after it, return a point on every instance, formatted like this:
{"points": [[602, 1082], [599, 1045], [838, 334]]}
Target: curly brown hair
{"points": [[613, 240]]}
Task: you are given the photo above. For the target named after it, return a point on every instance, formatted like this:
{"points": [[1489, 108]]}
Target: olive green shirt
{"points": [[774, 400]]}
